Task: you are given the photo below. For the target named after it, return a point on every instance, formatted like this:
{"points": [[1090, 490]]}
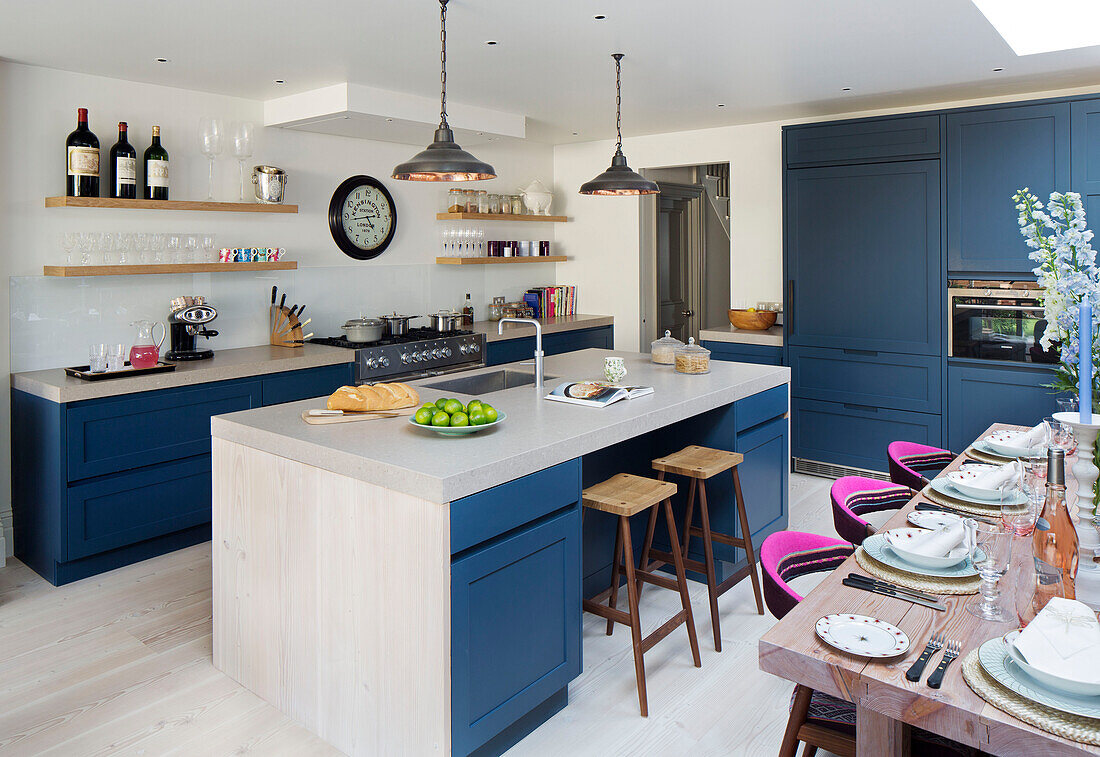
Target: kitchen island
{"points": [[401, 592]]}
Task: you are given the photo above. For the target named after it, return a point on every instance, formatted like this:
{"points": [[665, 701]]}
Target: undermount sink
{"points": [[486, 383]]}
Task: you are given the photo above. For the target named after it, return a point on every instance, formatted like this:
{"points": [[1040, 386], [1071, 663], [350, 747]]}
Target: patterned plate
{"points": [[932, 520], [995, 660], [945, 487], [987, 451], [862, 635], [877, 548]]}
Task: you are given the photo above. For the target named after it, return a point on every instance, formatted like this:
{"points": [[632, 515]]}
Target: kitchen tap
{"points": [[538, 345]]}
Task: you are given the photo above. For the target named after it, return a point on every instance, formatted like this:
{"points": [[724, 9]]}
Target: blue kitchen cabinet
{"points": [[764, 480], [291, 386], [878, 379], [523, 348], [1085, 151], [990, 154], [980, 395], [862, 141], [733, 352]]}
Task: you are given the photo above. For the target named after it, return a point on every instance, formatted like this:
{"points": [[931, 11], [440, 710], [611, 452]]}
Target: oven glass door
{"points": [[993, 328]]}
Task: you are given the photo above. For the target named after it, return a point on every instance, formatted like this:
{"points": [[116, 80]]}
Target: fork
{"points": [[934, 645], [949, 654]]}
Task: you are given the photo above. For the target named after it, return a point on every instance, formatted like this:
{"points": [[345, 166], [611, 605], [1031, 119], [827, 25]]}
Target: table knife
{"points": [[891, 593], [887, 585]]}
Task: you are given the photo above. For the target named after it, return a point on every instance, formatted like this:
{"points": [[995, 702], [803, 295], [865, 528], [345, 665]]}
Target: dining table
{"points": [[888, 705]]}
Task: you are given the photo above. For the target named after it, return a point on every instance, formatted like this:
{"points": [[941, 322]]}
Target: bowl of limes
{"points": [[451, 417]]}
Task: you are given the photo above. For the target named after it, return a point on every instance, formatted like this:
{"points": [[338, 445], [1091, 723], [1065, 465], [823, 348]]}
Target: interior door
{"points": [[679, 249]]}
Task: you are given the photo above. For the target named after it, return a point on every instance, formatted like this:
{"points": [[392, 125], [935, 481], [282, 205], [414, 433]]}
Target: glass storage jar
{"points": [[517, 205], [456, 200], [505, 205], [482, 201], [494, 203], [471, 200], [663, 351], [691, 358]]}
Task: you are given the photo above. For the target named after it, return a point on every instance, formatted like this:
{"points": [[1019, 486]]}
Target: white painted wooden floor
{"points": [[120, 664]]}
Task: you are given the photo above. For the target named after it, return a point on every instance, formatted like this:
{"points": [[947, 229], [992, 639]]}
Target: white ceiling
{"points": [[763, 59]]}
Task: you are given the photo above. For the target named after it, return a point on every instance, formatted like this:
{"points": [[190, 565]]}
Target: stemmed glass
{"points": [[86, 240], [991, 554], [141, 246], [207, 242], [105, 243], [1061, 435], [68, 244], [191, 244], [125, 244], [157, 243], [211, 132], [242, 147], [173, 244]]}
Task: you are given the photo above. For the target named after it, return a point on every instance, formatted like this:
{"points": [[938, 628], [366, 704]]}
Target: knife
{"points": [[891, 593], [878, 583]]}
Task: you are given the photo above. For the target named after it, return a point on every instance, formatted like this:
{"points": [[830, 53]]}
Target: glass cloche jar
{"points": [[691, 358], [663, 351]]}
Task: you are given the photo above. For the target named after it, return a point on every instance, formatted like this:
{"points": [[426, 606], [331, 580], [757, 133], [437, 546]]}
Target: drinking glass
{"points": [[116, 357], [191, 245], [242, 147], [208, 253], [125, 245], [173, 243], [991, 557], [68, 244], [1020, 519], [1067, 404], [211, 133], [86, 242], [445, 243], [1037, 582], [105, 244], [141, 247], [97, 358], [157, 244], [1061, 435]]}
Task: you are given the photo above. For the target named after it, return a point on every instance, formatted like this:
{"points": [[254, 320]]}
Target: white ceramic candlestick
{"points": [[1086, 472]]}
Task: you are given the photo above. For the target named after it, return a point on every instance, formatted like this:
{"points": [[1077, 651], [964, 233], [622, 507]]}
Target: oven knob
{"points": [[405, 357], [475, 347], [372, 362], [464, 348], [446, 352], [437, 353], [384, 361]]}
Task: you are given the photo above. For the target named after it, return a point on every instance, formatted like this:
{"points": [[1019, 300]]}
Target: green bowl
{"points": [[460, 430]]}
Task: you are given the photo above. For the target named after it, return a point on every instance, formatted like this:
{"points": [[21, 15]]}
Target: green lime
{"points": [[490, 413], [460, 419], [477, 417], [429, 406], [441, 419], [441, 402], [423, 416], [452, 406], [474, 405]]}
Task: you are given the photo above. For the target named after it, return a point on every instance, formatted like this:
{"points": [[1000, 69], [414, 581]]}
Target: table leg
{"points": [[880, 735]]}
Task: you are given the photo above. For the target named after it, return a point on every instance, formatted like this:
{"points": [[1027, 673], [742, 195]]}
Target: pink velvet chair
{"points": [[854, 496], [912, 464]]}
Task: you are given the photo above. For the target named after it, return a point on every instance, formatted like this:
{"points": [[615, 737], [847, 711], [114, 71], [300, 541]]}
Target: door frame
{"points": [[693, 195]]}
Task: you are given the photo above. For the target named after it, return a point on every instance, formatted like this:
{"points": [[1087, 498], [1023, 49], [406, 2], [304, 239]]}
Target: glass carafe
{"points": [[146, 350]]}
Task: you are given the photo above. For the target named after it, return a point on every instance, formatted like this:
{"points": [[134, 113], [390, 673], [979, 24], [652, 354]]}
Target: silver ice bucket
{"points": [[270, 183]]}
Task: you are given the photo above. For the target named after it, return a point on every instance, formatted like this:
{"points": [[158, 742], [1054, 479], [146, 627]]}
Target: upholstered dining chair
{"points": [[855, 496], [912, 464]]}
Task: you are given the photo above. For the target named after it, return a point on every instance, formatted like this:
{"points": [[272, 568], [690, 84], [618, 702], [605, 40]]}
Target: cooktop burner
{"points": [[419, 334]]}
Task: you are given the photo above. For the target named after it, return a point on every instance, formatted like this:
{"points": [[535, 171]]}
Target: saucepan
{"points": [[396, 325], [362, 330], [444, 321]]}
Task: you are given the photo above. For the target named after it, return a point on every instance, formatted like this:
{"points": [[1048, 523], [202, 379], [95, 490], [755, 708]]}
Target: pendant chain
{"points": [[618, 103], [443, 61]]}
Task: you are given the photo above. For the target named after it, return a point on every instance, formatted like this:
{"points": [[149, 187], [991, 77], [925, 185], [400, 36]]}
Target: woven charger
{"points": [[973, 508], [985, 457], [1072, 727], [930, 584]]}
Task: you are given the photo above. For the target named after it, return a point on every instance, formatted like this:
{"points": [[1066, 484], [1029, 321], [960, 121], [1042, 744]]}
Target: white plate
{"points": [[862, 635], [1049, 680], [985, 449], [947, 489], [900, 538], [1009, 443], [996, 660], [961, 479], [932, 520], [876, 546]]}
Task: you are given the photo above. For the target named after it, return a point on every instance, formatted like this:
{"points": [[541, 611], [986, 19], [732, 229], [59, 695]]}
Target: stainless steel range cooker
{"points": [[419, 353]]}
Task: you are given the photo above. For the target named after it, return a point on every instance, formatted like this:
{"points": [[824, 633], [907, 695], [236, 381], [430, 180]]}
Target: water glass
{"points": [[141, 247], [68, 244], [86, 241], [125, 245], [1067, 404], [191, 245], [1020, 519], [1061, 435], [97, 358], [209, 254], [991, 557], [1037, 582], [157, 244], [116, 357], [174, 243]]}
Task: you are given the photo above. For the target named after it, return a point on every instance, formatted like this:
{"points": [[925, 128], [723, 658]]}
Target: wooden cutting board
{"points": [[349, 417]]}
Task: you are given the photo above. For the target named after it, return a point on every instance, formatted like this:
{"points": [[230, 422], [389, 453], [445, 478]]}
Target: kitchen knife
{"points": [[273, 290], [887, 585], [891, 593], [282, 301]]}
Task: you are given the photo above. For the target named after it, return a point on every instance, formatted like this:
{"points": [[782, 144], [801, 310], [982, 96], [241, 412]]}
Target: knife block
{"points": [[286, 330]]}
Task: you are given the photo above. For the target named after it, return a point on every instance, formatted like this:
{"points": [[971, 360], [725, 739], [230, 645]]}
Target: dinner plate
{"points": [[876, 547], [932, 520], [946, 488], [1047, 680], [1007, 444], [862, 635], [963, 480], [982, 446], [996, 660], [900, 540]]}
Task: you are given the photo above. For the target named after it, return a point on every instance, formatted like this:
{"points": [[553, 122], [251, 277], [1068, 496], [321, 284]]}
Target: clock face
{"points": [[362, 217]]}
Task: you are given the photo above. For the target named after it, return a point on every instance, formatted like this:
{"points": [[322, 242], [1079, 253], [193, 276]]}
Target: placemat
{"points": [[1072, 727], [917, 582], [992, 511], [985, 457]]}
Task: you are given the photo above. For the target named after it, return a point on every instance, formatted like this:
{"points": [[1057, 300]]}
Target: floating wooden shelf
{"points": [[118, 202], [495, 261], [154, 268], [498, 217]]}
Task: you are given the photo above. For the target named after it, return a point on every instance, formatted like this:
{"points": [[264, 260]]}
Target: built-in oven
{"points": [[996, 320]]}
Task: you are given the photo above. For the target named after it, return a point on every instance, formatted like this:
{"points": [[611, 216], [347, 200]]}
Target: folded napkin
{"points": [[938, 543], [1035, 437], [995, 478], [1063, 640]]}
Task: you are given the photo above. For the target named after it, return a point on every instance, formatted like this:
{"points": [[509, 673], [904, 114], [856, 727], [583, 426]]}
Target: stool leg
{"points": [[615, 575], [648, 545], [635, 623], [689, 513], [750, 555], [681, 581], [708, 551]]}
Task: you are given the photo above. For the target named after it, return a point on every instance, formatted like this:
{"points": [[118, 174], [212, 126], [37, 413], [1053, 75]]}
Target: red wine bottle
{"points": [[156, 169], [123, 166], [82, 159]]}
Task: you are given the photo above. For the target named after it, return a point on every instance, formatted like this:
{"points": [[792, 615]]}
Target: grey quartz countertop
{"points": [[772, 337], [549, 326], [537, 433], [54, 385]]}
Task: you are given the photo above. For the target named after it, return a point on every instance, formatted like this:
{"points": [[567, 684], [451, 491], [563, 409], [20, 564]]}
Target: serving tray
{"points": [[84, 373]]}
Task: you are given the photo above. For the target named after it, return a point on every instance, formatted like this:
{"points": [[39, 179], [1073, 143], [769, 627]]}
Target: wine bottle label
{"points": [[83, 161], [156, 173], [126, 171]]}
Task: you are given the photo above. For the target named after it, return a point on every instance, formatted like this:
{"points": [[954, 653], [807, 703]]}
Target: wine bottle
{"points": [[123, 166], [156, 169], [82, 159], [1057, 545]]}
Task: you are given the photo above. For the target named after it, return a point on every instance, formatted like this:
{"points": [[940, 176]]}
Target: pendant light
{"points": [[619, 179], [443, 160]]}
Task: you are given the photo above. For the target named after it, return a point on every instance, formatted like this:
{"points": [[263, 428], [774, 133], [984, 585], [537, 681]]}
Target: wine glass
{"points": [[191, 244], [242, 147], [1061, 435], [208, 254], [68, 244], [211, 133], [157, 243], [105, 244], [125, 244], [141, 246], [173, 244], [991, 555], [86, 241]]}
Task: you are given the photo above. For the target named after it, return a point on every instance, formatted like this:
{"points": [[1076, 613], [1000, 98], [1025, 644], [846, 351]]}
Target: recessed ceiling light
{"points": [[1028, 32], [160, 60], [576, 133], [998, 69], [491, 42], [481, 134], [280, 81], [600, 17], [389, 120], [720, 105], [845, 89]]}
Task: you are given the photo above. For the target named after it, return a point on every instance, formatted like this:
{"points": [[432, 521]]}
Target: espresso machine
{"points": [[186, 322]]}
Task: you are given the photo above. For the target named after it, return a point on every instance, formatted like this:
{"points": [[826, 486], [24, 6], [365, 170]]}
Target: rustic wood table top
{"points": [[885, 700]]}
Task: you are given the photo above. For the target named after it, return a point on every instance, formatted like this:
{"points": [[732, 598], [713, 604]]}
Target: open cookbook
{"points": [[596, 393]]}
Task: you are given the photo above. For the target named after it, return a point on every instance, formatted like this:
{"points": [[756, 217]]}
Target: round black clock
{"points": [[362, 217]]}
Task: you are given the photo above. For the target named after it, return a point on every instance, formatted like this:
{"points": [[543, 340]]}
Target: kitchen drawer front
{"points": [[523, 348], [855, 435], [300, 385], [878, 379], [757, 408], [745, 353], [488, 514], [978, 396], [863, 141], [515, 627], [117, 511], [764, 481], [123, 433]]}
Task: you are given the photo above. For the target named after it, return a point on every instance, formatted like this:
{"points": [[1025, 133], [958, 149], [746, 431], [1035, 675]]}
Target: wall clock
{"points": [[362, 217]]}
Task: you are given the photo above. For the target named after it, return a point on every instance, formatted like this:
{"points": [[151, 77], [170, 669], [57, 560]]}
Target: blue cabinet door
{"points": [[880, 379], [978, 396], [764, 475], [523, 348], [732, 352], [310, 382], [991, 154], [1085, 152], [864, 269], [515, 626], [862, 141]]}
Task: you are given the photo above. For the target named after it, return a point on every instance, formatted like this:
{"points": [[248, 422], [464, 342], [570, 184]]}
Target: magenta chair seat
{"points": [[854, 496], [912, 464]]}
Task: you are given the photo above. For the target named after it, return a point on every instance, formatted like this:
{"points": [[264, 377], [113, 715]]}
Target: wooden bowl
{"points": [[756, 320]]}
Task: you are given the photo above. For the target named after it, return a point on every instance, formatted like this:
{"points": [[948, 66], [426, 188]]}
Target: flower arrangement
{"points": [[1067, 272]]}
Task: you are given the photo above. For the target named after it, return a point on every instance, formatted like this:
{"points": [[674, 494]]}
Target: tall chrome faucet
{"points": [[538, 345]]}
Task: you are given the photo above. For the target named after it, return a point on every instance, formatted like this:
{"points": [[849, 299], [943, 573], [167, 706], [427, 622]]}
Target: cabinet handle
{"points": [[865, 408], [788, 314], [868, 353]]}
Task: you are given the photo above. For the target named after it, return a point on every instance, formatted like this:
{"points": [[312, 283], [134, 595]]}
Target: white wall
{"points": [[603, 238], [53, 320]]}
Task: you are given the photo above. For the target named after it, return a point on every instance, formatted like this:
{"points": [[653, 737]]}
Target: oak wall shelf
{"points": [[499, 217], [155, 268], [120, 203], [496, 261]]}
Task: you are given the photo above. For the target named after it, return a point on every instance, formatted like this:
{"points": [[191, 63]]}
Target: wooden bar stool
{"points": [[626, 495], [700, 464]]}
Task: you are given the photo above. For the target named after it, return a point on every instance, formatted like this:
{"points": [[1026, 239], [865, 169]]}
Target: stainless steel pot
{"points": [[270, 182], [444, 321], [361, 330], [396, 325]]}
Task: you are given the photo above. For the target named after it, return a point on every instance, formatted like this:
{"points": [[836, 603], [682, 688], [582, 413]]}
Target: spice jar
{"points": [[517, 205], [482, 201], [663, 351], [506, 205], [456, 200], [692, 358], [494, 204], [471, 200]]}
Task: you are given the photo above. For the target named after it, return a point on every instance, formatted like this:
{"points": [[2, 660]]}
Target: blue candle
{"points": [[1084, 364]]}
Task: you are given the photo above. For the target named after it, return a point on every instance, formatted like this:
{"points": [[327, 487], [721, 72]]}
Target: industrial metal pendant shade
{"points": [[443, 159], [619, 179]]}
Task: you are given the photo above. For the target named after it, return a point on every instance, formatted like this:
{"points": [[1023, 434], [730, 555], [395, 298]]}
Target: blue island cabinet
{"points": [[522, 348], [102, 483], [981, 394]]}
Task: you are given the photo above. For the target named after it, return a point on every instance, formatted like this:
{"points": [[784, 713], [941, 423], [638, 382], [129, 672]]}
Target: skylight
{"points": [[1030, 27]]}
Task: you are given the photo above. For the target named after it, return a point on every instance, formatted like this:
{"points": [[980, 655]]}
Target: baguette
{"points": [[367, 399]]}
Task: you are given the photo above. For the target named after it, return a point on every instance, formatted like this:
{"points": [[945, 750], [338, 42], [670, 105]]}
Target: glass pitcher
{"points": [[146, 350]]}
